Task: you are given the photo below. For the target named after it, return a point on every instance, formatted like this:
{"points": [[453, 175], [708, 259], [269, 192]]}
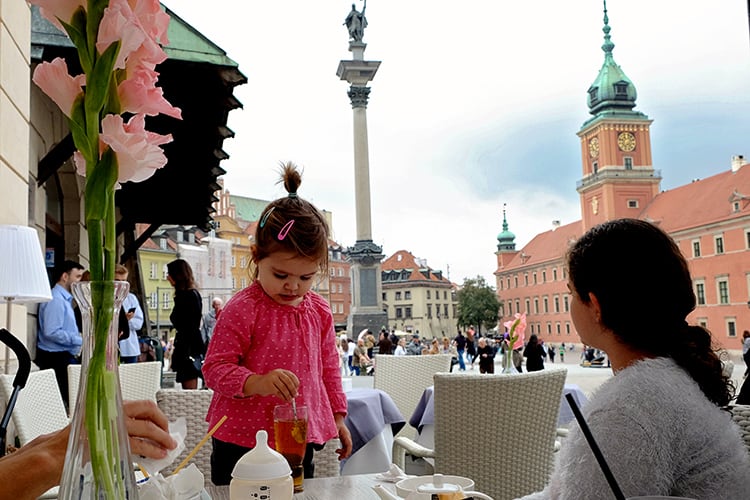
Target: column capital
{"points": [[365, 252], [358, 96]]}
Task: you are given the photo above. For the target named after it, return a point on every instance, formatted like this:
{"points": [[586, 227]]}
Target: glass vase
{"points": [[97, 461], [508, 365]]}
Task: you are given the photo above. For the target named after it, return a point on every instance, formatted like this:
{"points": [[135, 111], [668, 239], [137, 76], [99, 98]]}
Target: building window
{"points": [[696, 248], [534, 278], [557, 304], [407, 295], [515, 281], [747, 238], [152, 271], [384, 296], [429, 311], [731, 328], [399, 312], [333, 272], [507, 282], [165, 299], [567, 328], [526, 279], [723, 285], [153, 300], [549, 328], [407, 311], [341, 272], [445, 294], [557, 327], [566, 306], [510, 308], [736, 206], [545, 301], [528, 306], [628, 163], [703, 322], [544, 276], [719, 241], [596, 167], [234, 261], [234, 283], [536, 305], [428, 295], [398, 295], [243, 282], [518, 306], [164, 272], [700, 293], [445, 310], [632, 203], [554, 274]]}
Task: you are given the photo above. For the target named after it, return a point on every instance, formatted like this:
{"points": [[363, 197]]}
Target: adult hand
{"points": [[148, 429], [344, 436], [280, 383]]}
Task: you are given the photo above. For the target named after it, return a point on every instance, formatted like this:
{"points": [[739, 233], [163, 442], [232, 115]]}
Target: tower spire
{"points": [[506, 239], [607, 46]]}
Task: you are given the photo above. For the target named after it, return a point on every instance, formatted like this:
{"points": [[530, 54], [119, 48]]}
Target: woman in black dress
{"points": [[534, 355], [486, 356], [186, 319]]}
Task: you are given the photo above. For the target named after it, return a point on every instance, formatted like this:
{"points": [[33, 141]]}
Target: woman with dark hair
{"points": [[659, 421], [189, 348], [534, 354]]}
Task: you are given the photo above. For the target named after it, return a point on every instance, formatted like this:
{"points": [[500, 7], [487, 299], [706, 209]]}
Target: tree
{"points": [[477, 304]]}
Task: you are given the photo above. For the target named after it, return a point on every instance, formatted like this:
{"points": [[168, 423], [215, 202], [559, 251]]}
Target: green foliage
{"points": [[477, 304]]}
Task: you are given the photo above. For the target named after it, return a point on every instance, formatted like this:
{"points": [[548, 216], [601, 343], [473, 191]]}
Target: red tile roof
{"points": [[701, 203], [404, 259], [547, 246]]}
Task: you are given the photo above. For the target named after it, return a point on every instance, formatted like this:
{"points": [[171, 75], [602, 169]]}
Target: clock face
{"points": [[594, 147], [626, 141]]}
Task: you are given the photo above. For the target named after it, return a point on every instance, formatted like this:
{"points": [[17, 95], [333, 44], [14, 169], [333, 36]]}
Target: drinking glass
{"points": [[290, 433]]}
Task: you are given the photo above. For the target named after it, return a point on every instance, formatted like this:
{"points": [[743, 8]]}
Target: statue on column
{"points": [[356, 22]]}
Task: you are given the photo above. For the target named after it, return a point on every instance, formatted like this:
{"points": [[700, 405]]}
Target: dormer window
{"points": [[593, 92], [621, 90]]}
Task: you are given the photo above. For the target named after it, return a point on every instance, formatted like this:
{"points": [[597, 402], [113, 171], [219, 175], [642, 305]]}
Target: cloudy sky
{"points": [[475, 105]]}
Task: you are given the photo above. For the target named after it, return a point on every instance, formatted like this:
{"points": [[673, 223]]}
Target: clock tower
{"points": [[618, 176]]}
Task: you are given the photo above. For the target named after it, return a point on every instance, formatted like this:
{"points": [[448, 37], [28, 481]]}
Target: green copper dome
{"points": [[506, 239], [611, 90]]}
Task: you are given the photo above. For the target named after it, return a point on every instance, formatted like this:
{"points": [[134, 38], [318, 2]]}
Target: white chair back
{"points": [[404, 379], [39, 408], [137, 381], [498, 430]]}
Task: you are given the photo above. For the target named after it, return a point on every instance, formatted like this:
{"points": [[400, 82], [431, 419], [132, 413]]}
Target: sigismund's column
{"points": [[365, 256]]}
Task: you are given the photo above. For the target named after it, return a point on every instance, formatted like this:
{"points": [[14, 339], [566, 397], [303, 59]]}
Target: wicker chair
{"points": [[193, 405], [498, 430], [137, 381], [404, 379], [327, 461], [741, 416], [39, 408]]}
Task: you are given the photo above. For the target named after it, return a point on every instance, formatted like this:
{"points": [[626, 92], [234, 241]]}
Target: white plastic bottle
{"points": [[261, 474]]}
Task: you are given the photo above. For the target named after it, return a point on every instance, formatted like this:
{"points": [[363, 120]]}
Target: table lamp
{"points": [[23, 277]]}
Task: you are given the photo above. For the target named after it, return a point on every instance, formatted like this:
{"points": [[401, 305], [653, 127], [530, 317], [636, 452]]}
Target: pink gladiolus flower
{"points": [[56, 10], [518, 331], [120, 23], [139, 94], [137, 149], [153, 20], [55, 81]]}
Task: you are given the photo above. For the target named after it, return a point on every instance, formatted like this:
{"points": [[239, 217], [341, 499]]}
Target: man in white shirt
{"points": [[130, 348]]}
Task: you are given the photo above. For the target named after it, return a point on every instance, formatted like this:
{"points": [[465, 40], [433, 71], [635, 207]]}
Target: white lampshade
{"points": [[23, 277]]}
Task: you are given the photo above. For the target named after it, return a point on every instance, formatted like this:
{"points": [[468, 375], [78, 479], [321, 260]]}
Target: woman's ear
{"points": [[594, 301]]}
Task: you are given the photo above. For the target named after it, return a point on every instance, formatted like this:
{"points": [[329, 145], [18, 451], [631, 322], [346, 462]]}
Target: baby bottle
{"points": [[261, 474]]}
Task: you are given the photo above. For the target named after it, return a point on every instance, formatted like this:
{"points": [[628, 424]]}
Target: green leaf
{"points": [[101, 181], [77, 123], [97, 84], [76, 30]]}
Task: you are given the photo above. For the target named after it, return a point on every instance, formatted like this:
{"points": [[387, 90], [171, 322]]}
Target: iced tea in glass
{"points": [[290, 433]]}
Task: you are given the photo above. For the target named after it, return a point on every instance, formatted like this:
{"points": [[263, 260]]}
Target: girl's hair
{"points": [[182, 274], [533, 339], [291, 224], [643, 285], [746, 334]]}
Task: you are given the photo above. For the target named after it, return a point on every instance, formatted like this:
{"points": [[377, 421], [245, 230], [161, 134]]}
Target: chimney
{"points": [[737, 162]]}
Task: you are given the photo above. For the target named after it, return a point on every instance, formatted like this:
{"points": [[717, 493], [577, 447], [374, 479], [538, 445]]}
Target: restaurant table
{"points": [[423, 418], [372, 419], [356, 487]]}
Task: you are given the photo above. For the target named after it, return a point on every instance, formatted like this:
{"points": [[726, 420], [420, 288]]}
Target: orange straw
{"points": [[199, 445]]}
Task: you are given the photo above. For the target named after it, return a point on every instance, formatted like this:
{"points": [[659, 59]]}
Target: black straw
{"points": [[595, 448]]}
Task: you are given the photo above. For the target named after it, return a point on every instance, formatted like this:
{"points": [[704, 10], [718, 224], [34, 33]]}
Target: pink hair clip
{"points": [[285, 230]]}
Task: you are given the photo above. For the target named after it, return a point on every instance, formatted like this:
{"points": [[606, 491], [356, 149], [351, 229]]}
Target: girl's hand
{"points": [[280, 383], [344, 436]]}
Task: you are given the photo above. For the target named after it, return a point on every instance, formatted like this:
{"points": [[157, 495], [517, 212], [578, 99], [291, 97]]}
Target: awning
{"points": [[199, 78]]}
